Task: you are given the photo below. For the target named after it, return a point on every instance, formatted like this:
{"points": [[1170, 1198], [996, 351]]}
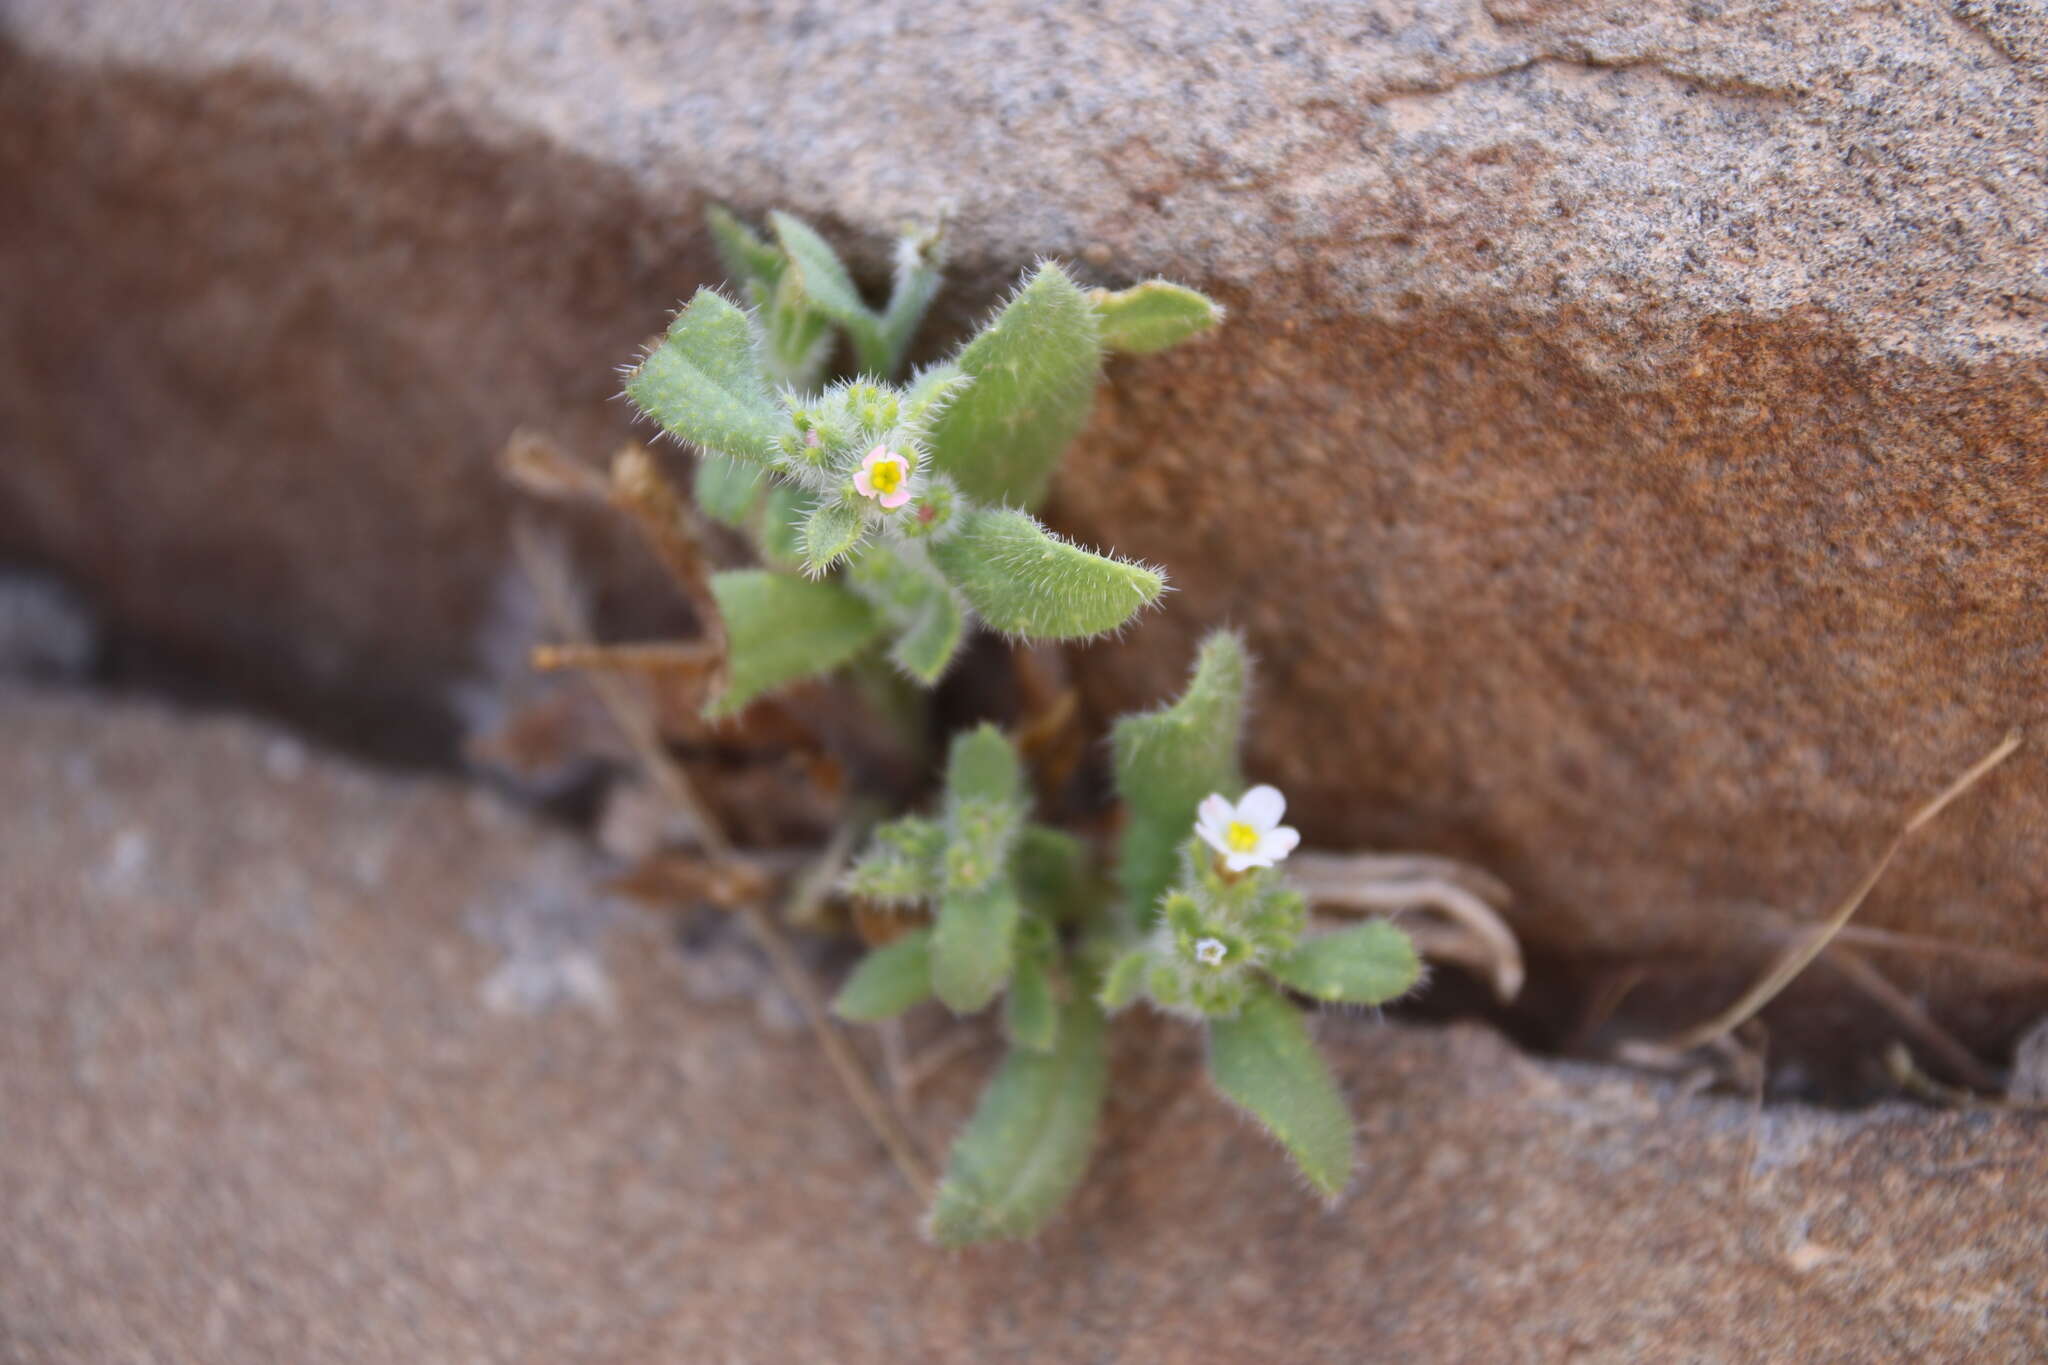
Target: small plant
{"points": [[884, 511], [1201, 923], [890, 516]]}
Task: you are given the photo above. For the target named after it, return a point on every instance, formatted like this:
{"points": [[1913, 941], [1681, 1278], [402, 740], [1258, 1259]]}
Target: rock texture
{"points": [[1627, 451], [298, 1062]]}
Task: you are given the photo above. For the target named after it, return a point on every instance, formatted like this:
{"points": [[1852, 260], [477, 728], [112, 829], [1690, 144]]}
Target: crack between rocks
{"points": [[1729, 86]]}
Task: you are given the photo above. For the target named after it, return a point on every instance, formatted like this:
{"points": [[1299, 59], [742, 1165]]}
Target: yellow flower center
{"points": [[1241, 837], [886, 476]]}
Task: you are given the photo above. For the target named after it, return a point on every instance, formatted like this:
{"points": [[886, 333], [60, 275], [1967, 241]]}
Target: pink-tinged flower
{"points": [[884, 476], [1247, 833]]}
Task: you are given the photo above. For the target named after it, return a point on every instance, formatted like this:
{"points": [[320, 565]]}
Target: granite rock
{"points": [[1626, 453], [300, 1061]]}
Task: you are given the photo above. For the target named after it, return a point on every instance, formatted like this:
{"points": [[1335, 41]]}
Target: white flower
{"points": [[1249, 833], [1210, 952]]}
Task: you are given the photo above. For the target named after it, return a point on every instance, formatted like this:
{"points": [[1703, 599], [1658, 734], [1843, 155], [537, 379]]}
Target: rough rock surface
{"points": [[1627, 451], [300, 1062]]}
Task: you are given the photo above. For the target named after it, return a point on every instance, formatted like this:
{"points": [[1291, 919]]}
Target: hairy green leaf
{"points": [[928, 647], [1034, 369], [703, 382], [1023, 580], [983, 764], [800, 338], [919, 255], [830, 290], [779, 629], [779, 532], [1124, 982], [930, 623], [1053, 873], [830, 533], [1031, 1016], [745, 256], [1166, 761], [901, 865], [1264, 1062], [933, 391], [1152, 316], [973, 944], [1368, 964], [1027, 1145], [888, 981]]}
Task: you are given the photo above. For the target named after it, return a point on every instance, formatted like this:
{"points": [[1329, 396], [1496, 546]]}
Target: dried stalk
{"points": [[636, 724], [1800, 954]]}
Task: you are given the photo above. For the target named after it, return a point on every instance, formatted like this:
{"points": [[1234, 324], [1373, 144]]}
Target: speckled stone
{"points": [[266, 1096], [1626, 452]]}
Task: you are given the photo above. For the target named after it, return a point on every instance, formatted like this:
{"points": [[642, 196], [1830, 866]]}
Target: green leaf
{"points": [[933, 391], [1264, 1063], [1368, 964], [745, 256], [1166, 761], [779, 629], [1031, 1016], [1023, 580], [779, 532], [927, 649], [919, 256], [1034, 370], [930, 622], [1027, 1145], [703, 382], [888, 981], [973, 944], [1052, 870], [831, 531], [800, 338], [1152, 316], [830, 290], [727, 489], [901, 864], [982, 763], [1124, 982]]}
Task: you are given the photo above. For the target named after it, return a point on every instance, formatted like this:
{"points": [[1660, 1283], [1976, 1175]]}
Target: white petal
{"points": [[1261, 807], [1214, 839], [1215, 812], [1277, 844], [1242, 862]]}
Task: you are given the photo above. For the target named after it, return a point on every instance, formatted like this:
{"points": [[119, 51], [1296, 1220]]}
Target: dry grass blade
{"points": [[549, 572], [640, 489], [1336, 871], [1907, 1075], [1800, 954], [1931, 1035], [531, 461], [550, 575], [673, 879], [687, 661], [1923, 945]]}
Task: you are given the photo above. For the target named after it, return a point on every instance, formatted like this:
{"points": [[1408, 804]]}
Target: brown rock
{"points": [[302, 1063], [1626, 451]]}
